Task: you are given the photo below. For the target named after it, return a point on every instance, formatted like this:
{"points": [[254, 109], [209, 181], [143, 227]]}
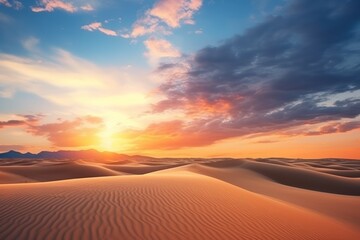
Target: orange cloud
{"points": [[82, 131], [198, 107], [160, 48], [98, 26], [172, 135]]}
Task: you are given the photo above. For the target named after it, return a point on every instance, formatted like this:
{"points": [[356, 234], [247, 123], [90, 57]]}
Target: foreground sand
{"points": [[180, 199]]}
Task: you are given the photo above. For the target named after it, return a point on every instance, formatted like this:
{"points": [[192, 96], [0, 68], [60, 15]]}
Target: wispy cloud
{"points": [[13, 4], [67, 80], [337, 127], [30, 43], [81, 131], [71, 84], [159, 20], [160, 48], [5, 2], [68, 6], [22, 120], [87, 7], [170, 12], [175, 134], [98, 26], [173, 12]]}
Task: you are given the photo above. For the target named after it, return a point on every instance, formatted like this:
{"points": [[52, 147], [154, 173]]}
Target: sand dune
{"points": [[57, 171], [340, 207], [179, 199]]}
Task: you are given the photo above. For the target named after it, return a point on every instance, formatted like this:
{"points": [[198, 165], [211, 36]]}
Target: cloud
{"points": [[51, 5], [170, 135], [70, 81], [338, 127], [199, 31], [87, 7], [160, 20], [5, 2], [146, 25], [82, 131], [11, 123], [160, 48], [63, 70], [280, 74], [30, 44], [25, 120], [172, 12], [98, 26], [163, 15], [14, 4], [68, 6]]}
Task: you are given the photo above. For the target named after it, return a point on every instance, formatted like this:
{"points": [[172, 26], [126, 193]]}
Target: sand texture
{"points": [[180, 199]]}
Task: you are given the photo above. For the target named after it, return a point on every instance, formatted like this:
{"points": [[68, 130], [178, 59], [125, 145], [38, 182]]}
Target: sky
{"points": [[181, 78]]}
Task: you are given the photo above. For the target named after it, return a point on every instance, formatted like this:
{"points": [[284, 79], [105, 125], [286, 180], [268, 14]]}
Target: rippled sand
{"points": [[180, 199]]}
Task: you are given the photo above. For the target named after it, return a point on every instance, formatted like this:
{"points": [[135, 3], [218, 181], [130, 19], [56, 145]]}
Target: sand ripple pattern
{"points": [[188, 206]]}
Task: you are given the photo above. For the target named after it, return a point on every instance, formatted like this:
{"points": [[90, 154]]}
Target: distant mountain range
{"points": [[81, 154]]}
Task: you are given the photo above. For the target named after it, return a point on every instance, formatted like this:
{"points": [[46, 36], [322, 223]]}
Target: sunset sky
{"points": [[181, 78]]}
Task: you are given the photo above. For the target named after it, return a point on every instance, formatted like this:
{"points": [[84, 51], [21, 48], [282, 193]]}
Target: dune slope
{"points": [[159, 206]]}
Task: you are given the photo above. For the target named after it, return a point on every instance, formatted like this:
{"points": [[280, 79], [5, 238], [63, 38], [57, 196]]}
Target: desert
{"points": [[150, 198]]}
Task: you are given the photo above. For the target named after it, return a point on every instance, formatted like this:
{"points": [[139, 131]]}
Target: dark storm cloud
{"points": [[277, 74]]}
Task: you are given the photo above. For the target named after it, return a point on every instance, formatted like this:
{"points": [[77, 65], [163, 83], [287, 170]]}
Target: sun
{"points": [[110, 139]]}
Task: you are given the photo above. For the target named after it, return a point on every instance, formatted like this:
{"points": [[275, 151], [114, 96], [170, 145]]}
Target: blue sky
{"points": [[216, 20]]}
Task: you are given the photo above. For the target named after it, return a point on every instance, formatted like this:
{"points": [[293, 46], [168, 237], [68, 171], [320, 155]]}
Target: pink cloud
{"points": [[92, 26], [144, 26], [160, 48], [172, 12], [12, 123], [98, 26], [107, 31], [25, 120], [51, 5]]}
